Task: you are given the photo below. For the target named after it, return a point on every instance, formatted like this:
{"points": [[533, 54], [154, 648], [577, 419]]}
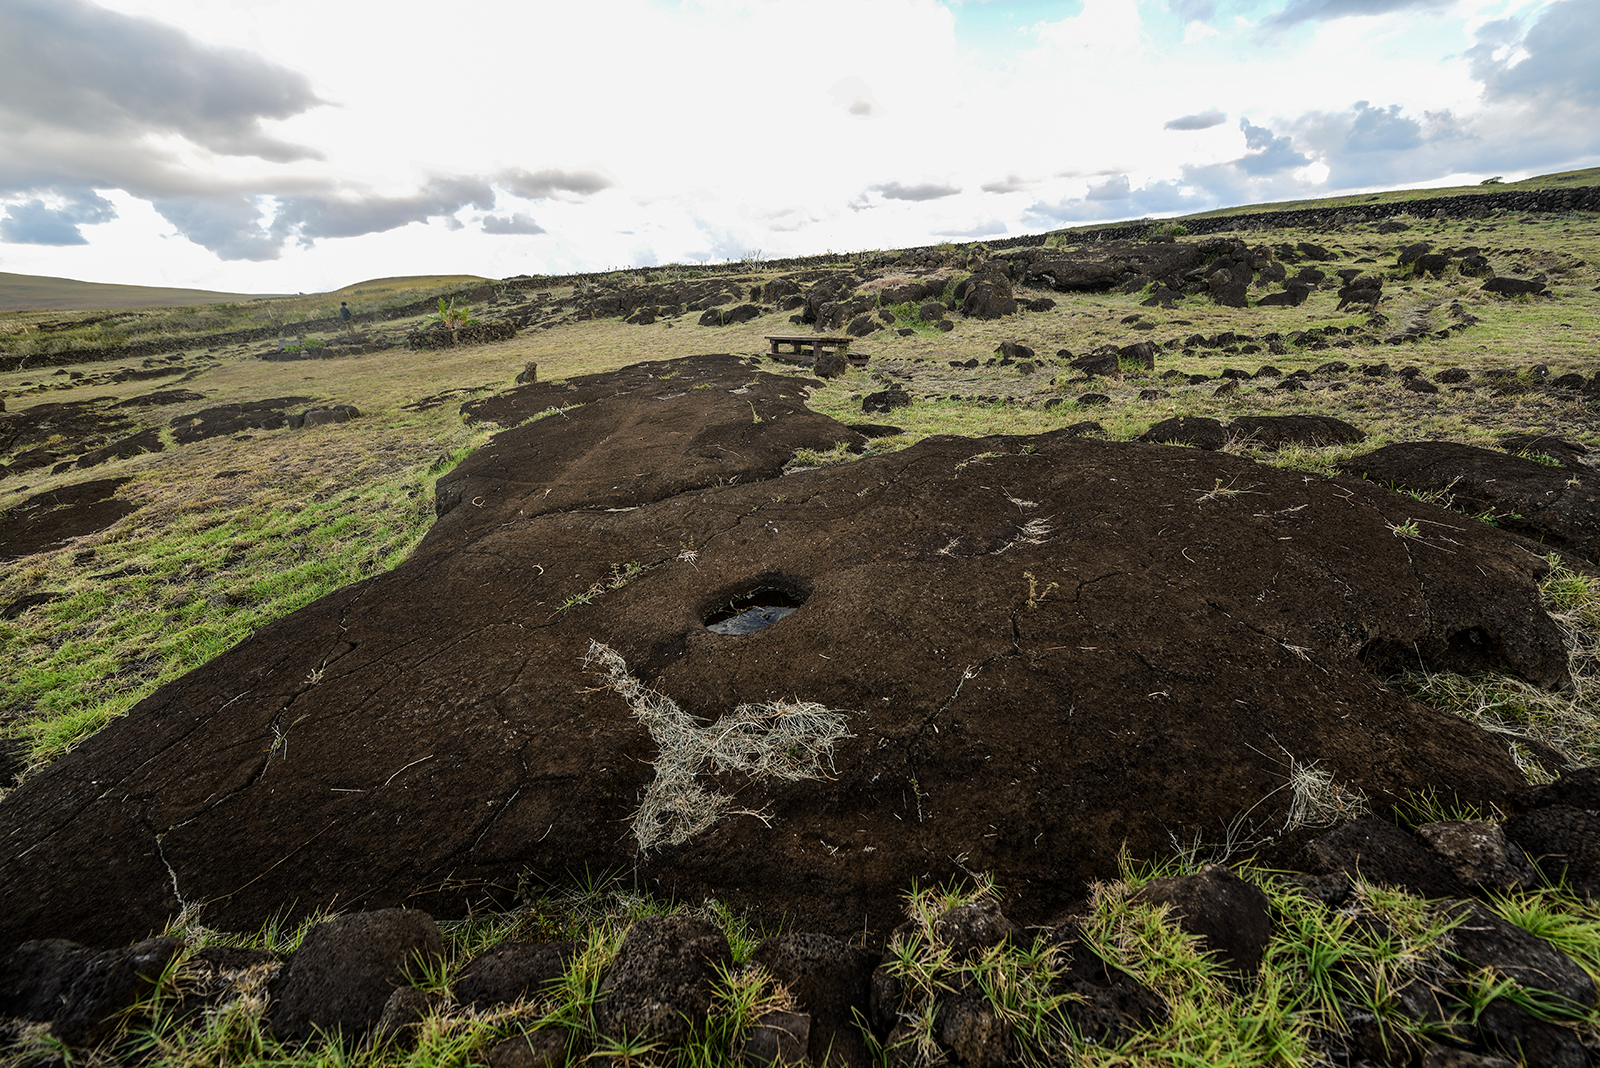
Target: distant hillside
{"points": [[406, 282], [31, 292], [1561, 180]]}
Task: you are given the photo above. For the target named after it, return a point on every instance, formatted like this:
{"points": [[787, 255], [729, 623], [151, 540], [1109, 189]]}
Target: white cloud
{"points": [[302, 140]]}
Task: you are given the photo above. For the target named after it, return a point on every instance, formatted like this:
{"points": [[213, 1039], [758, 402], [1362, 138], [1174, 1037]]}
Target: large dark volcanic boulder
{"points": [[1557, 506], [1100, 267], [1019, 651]]}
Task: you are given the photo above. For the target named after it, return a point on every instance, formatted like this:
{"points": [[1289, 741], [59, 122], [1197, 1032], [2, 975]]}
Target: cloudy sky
{"points": [[302, 145]]}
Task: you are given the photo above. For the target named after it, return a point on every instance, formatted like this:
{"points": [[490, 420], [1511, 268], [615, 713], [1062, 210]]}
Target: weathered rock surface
{"points": [[268, 414], [77, 990], [1022, 650], [1383, 854], [1231, 918], [661, 978], [1198, 431], [1277, 431], [52, 421], [1556, 506], [1266, 431], [829, 980], [1100, 267], [347, 969], [1564, 842], [47, 519], [1479, 853], [511, 971], [148, 440], [987, 296]]}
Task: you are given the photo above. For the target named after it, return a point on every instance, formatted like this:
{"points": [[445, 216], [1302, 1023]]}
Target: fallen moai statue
{"points": [[1010, 654]]}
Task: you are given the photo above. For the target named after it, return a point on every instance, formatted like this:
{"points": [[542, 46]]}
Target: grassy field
{"points": [[46, 316], [236, 531], [1557, 180], [29, 292]]}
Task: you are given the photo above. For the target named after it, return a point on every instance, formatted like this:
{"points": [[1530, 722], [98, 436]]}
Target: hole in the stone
{"points": [[750, 612]]}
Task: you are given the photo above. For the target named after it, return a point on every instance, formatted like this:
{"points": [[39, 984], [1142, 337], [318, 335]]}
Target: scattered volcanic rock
{"points": [[77, 990], [66, 421], [1024, 652], [346, 969], [148, 440], [1102, 266], [1199, 431], [1566, 453], [232, 418], [1514, 287], [987, 296], [161, 397], [1230, 917]]}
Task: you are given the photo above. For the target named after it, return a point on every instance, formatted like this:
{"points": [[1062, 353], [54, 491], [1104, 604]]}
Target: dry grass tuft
{"points": [[1317, 800], [784, 740]]}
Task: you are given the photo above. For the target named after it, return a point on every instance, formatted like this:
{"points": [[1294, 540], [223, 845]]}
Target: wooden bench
{"points": [[798, 343]]}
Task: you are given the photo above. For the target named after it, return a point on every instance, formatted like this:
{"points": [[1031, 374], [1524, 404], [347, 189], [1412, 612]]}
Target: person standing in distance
{"points": [[344, 313]]}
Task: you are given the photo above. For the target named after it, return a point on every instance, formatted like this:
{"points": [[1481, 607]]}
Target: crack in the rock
{"points": [[186, 908], [502, 810], [1303, 652], [1077, 590], [967, 674]]}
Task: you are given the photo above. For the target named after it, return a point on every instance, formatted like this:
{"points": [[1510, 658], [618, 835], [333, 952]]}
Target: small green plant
{"points": [[976, 459], [808, 457], [742, 941], [621, 575], [1018, 980], [1220, 492], [625, 1051], [1409, 529], [1428, 807], [451, 317]]}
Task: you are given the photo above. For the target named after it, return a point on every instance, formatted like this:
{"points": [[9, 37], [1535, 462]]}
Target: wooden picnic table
{"points": [[817, 343]]}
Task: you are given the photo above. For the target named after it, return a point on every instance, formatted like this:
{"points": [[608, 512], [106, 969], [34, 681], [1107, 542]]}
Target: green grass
{"points": [[1324, 972], [165, 600]]}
